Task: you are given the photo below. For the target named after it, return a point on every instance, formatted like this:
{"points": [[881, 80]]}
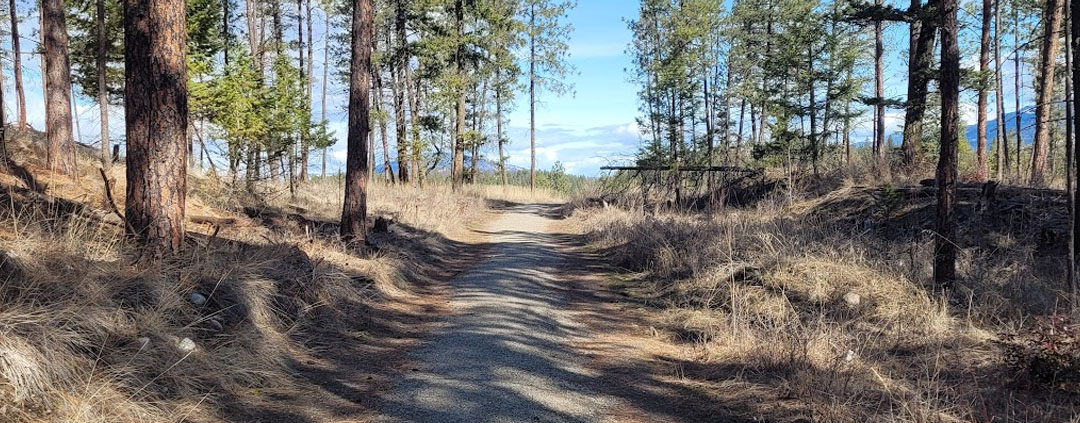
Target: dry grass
{"points": [[87, 335], [758, 295]]}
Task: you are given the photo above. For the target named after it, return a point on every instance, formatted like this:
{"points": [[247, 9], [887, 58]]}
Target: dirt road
{"points": [[506, 352]]}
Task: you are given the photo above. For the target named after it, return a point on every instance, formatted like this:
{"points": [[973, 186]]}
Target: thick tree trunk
{"points": [[154, 44], [103, 100], [354, 212], [1045, 95], [16, 56], [999, 96], [921, 59], [982, 170], [58, 96], [944, 244]]}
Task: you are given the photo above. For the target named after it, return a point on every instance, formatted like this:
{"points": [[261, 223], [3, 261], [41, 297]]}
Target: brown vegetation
{"points": [[250, 322], [820, 307]]}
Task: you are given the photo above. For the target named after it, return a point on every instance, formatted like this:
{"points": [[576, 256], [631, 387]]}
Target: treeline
{"points": [[206, 80], [444, 75], [787, 82], [791, 82]]}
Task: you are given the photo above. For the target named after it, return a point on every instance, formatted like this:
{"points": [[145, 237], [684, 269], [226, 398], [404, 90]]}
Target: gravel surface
{"points": [[504, 354]]}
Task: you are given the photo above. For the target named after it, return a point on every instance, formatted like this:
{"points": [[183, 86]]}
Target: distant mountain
{"points": [[443, 167], [1027, 125]]}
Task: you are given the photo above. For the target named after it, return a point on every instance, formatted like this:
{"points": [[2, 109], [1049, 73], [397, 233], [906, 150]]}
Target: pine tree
{"points": [[944, 244], [16, 55], [154, 54], [547, 59], [1048, 54], [61, 149], [354, 212]]}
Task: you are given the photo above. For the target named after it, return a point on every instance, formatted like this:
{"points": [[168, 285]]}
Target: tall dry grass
{"points": [[766, 299], [89, 335]]}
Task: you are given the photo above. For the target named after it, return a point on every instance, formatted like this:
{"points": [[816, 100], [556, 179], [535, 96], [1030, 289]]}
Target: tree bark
{"points": [[254, 33], [305, 76], [532, 97], [1016, 91], [354, 211], [457, 168], [879, 91], [397, 69], [923, 31], [103, 101], [412, 88], [982, 171], [999, 96], [58, 95], [1045, 94], [383, 133], [499, 132], [16, 55], [5, 156], [325, 82], [1075, 40], [154, 56], [944, 244]]}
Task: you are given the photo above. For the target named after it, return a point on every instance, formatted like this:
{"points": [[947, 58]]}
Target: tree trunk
{"points": [[813, 112], [1074, 38], [457, 168], [879, 92], [378, 102], [982, 171], [999, 96], [5, 155], [412, 86], [532, 97], [398, 74], [944, 243], [310, 54], [1016, 93], [154, 34], [354, 212], [58, 95], [16, 55], [499, 132], [103, 101], [325, 82], [921, 59], [226, 32], [1045, 95], [254, 33], [305, 76]]}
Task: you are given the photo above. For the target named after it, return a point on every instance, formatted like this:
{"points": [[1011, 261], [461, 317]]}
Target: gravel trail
{"points": [[505, 353]]}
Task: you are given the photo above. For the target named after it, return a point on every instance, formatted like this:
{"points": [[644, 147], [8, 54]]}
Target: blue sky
{"points": [[590, 128]]}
